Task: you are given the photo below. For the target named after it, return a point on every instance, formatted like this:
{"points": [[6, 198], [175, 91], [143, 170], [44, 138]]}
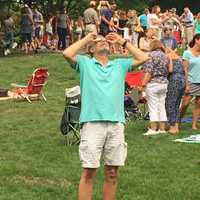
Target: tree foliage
{"points": [[76, 7], [194, 5], [138, 5]]}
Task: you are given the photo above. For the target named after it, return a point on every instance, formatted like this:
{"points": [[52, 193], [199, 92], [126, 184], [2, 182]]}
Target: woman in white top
{"points": [[144, 43], [115, 22], [79, 28], [155, 21]]}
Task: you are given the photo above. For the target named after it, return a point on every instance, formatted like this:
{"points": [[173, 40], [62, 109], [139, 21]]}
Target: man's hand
{"points": [[114, 38], [71, 52], [92, 37]]}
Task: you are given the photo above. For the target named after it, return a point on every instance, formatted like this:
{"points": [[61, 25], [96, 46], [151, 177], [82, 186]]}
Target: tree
{"points": [[179, 4], [74, 7], [138, 5]]}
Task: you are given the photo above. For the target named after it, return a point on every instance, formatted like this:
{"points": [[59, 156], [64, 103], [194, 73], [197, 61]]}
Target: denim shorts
{"points": [[37, 32], [26, 37], [102, 140]]}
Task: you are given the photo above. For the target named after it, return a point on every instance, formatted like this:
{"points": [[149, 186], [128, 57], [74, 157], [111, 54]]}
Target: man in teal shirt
{"points": [[102, 109]]}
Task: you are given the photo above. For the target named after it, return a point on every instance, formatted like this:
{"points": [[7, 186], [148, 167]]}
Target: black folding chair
{"points": [[70, 126]]}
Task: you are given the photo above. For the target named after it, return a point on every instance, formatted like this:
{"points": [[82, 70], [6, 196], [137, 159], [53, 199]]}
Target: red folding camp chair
{"points": [[134, 81], [34, 86]]}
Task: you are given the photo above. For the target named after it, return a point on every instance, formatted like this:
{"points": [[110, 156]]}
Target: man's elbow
{"points": [[144, 59], [141, 61], [70, 58], [66, 54]]}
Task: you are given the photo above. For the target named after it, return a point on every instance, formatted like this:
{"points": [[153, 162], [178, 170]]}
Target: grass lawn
{"points": [[36, 165]]}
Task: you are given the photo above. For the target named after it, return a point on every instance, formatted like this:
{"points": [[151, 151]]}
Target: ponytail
{"points": [[193, 41]]}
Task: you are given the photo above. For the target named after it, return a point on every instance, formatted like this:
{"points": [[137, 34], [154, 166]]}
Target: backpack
{"points": [[3, 93]]}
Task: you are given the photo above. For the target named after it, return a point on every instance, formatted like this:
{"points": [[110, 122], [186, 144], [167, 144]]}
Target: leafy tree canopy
{"points": [[76, 7]]}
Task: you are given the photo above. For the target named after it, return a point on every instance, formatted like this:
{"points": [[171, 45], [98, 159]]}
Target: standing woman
{"points": [[155, 21], [115, 21], [175, 90], [62, 28], [145, 41], [197, 24], [122, 25], [9, 27], [26, 29], [79, 28], [134, 25], [122, 22], [192, 64], [155, 84]]}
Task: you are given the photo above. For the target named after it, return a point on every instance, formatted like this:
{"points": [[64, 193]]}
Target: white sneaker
{"points": [[8, 51], [5, 52], [162, 131], [151, 132], [14, 45]]}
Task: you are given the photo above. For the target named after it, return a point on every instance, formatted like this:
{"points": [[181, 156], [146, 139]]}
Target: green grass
{"points": [[35, 163]]}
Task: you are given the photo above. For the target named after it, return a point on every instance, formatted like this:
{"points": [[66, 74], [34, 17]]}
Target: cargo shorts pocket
{"points": [[87, 155], [116, 156]]}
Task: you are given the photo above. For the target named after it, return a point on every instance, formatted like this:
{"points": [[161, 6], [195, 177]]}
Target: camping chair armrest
{"points": [[18, 85]]}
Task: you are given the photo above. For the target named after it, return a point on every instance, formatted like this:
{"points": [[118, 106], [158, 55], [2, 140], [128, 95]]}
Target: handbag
{"points": [[3, 93]]}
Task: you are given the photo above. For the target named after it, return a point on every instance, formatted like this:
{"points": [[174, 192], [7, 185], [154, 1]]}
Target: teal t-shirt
{"points": [[197, 26], [194, 66], [102, 88]]}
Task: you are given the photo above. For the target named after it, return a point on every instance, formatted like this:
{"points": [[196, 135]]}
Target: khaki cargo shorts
{"points": [[102, 140]]}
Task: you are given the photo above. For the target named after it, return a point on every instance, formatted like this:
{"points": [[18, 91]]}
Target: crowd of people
{"points": [[170, 31], [58, 31]]}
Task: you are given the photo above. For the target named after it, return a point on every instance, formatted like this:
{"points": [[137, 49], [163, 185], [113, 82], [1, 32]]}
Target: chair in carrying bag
{"points": [[70, 125]]}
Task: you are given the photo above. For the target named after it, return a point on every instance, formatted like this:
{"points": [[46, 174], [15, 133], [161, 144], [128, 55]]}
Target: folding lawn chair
{"points": [[133, 81], [34, 87], [70, 125]]}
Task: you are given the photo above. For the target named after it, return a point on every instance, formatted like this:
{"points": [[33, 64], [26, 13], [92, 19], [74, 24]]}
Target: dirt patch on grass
{"points": [[39, 181]]}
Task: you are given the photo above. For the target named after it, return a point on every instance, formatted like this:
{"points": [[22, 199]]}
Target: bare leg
{"points": [[110, 183], [86, 184], [26, 47], [196, 114], [174, 129], [153, 126], [162, 126], [184, 105]]}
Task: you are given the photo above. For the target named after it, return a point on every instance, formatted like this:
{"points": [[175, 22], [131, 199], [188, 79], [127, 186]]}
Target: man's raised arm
{"points": [[71, 52], [139, 56]]}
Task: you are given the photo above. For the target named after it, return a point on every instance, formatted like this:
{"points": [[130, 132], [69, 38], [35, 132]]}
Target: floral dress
{"points": [[175, 92]]}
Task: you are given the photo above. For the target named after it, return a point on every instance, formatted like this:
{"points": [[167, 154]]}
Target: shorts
{"points": [[102, 139], [37, 32], [26, 37], [104, 30], [188, 34], [194, 89]]}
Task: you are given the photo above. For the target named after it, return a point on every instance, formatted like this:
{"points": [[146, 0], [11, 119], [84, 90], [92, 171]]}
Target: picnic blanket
{"points": [[190, 139], [187, 120]]}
